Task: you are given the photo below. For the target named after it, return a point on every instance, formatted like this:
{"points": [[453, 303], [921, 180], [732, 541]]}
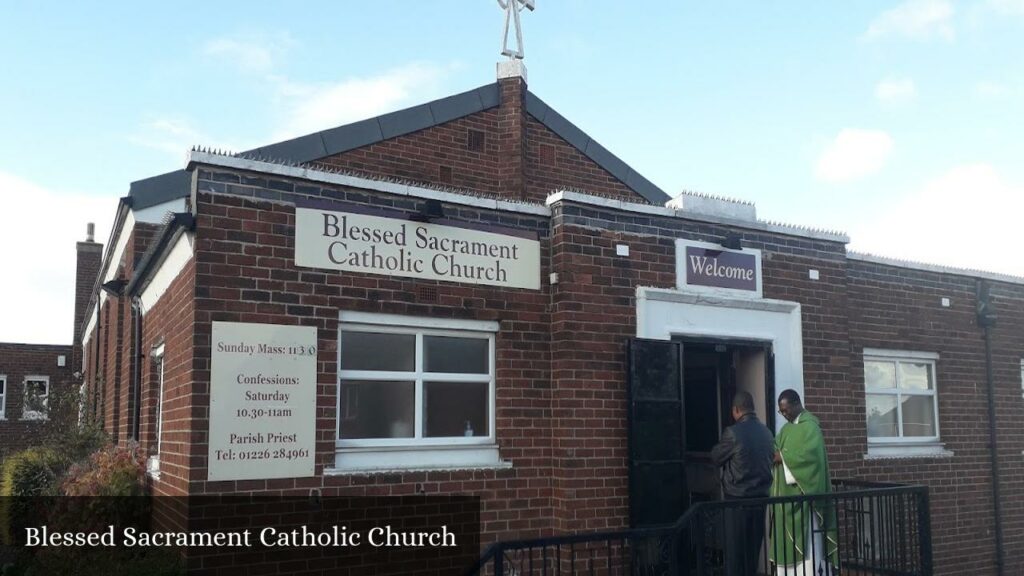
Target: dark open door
{"points": [[657, 472], [769, 388]]}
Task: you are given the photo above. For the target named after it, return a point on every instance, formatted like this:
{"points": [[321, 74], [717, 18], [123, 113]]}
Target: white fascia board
{"points": [[397, 188], [123, 234], [112, 256], [156, 214], [175, 261]]}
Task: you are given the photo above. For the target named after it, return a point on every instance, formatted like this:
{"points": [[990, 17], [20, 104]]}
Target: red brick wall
{"points": [[521, 160], [16, 362], [245, 272], [899, 309], [169, 322], [561, 402], [109, 373]]}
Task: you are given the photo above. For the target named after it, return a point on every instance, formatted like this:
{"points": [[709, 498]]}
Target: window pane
{"points": [[919, 416], [35, 387], [916, 375], [879, 375], [456, 409], [3, 384], [377, 409], [373, 351], [881, 412], [457, 355]]}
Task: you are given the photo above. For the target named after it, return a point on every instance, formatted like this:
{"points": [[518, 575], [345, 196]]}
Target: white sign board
{"points": [[394, 247], [262, 401]]}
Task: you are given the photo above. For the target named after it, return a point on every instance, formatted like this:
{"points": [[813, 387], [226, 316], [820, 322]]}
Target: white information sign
{"points": [[377, 245], [262, 401]]}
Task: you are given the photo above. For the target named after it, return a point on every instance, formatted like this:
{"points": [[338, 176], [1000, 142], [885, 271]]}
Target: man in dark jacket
{"points": [[745, 455]]}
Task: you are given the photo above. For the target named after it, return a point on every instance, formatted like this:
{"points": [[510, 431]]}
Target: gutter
{"points": [[177, 224], [987, 321]]}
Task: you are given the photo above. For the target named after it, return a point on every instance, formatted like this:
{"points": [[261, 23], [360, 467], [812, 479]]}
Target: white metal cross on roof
{"points": [[512, 9]]}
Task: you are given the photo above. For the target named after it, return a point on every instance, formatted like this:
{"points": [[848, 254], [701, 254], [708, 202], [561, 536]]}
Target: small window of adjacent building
{"points": [[37, 398], [419, 390], [157, 359], [3, 395], [901, 399]]}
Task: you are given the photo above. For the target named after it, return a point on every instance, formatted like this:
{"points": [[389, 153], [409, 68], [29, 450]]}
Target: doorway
{"points": [[680, 398], [713, 371]]}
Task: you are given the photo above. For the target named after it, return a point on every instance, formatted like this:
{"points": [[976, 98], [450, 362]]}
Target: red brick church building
{"points": [[440, 300]]}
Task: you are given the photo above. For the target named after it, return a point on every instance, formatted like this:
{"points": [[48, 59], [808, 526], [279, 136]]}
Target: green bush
{"points": [[25, 477]]}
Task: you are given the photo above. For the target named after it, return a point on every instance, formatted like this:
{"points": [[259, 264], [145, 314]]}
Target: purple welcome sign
{"points": [[707, 266]]}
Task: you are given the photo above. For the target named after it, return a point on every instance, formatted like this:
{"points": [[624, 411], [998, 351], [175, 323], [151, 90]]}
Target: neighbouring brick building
{"points": [[35, 378], [440, 300]]}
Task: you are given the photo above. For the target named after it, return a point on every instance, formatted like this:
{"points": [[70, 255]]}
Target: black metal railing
{"points": [[859, 528]]}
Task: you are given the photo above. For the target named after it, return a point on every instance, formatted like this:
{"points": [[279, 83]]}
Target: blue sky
{"points": [[897, 122]]}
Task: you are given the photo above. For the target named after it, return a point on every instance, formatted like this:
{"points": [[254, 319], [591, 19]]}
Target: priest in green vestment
{"points": [[803, 534]]}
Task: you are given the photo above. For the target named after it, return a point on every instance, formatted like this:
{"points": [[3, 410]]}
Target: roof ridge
{"points": [[917, 264], [329, 169]]}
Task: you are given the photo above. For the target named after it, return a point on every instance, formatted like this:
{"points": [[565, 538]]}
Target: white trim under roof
{"points": [[895, 262], [111, 256], [156, 214], [339, 179], [175, 261], [580, 198]]}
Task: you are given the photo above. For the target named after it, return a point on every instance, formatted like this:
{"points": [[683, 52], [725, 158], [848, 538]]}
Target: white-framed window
{"points": [[1021, 382], [415, 392], [157, 359], [37, 398], [3, 395], [901, 401]]}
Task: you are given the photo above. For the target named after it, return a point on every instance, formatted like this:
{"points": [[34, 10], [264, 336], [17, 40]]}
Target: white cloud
{"points": [[854, 154], [314, 107], [968, 217], [38, 230], [176, 136], [1007, 6], [896, 91], [172, 135], [991, 90], [251, 53], [914, 20]]}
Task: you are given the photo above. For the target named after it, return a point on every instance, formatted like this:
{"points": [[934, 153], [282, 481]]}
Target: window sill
{"points": [[409, 459], [894, 451], [153, 467]]}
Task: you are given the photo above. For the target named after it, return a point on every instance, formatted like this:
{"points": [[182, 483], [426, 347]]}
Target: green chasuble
{"points": [[803, 450]]}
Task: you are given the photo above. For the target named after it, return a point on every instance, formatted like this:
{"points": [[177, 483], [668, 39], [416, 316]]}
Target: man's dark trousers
{"points": [[744, 535]]}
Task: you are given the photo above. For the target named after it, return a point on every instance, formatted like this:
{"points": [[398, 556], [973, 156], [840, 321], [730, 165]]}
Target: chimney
{"points": [[512, 120], [87, 268]]}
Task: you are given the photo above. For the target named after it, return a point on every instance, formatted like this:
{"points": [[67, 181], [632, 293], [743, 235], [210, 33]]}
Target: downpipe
{"points": [[987, 320]]}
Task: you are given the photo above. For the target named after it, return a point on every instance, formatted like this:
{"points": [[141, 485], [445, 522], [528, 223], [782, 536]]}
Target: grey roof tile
{"points": [[457, 106], [301, 149], [159, 189], [490, 96], [406, 121], [607, 160], [351, 136]]}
